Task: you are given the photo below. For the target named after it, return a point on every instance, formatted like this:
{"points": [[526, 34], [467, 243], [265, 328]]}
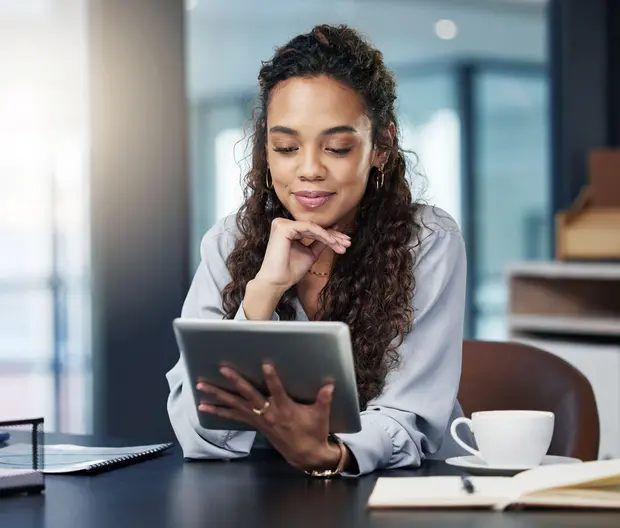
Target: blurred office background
{"points": [[122, 142], [472, 100]]}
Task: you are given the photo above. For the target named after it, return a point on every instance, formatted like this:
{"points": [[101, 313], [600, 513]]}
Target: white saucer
{"points": [[475, 466]]}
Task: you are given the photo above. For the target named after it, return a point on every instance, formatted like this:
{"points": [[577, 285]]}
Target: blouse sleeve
{"points": [[407, 421], [204, 300]]}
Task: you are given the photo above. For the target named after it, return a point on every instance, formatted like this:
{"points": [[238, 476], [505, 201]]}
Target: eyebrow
{"points": [[334, 130]]}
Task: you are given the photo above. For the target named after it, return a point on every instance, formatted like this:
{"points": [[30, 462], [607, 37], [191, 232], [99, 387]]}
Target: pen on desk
{"points": [[467, 484]]}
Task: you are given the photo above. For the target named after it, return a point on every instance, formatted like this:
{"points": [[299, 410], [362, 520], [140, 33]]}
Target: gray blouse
{"points": [[409, 421]]}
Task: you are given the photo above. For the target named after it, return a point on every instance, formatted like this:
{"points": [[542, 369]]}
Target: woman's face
{"points": [[319, 149]]}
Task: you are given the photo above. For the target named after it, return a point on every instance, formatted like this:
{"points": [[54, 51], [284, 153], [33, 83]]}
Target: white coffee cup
{"points": [[509, 439]]}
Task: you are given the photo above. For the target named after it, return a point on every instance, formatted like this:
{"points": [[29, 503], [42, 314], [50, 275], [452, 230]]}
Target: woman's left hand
{"points": [[299, 432]]}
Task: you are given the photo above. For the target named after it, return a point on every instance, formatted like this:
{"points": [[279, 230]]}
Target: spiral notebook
{"points": [[68, 458]]}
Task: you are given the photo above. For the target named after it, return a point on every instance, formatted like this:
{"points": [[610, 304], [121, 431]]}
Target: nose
{"points": [[311, 167]]}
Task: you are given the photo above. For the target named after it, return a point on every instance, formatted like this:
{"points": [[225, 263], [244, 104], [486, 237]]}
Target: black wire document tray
{"points": [[30, 478]]}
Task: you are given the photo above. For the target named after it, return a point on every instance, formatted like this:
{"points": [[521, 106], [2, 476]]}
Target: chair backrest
{"points": [[503, 376]]}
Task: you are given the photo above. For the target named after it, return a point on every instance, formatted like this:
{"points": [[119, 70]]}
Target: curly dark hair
{"points": [[371, 286]]}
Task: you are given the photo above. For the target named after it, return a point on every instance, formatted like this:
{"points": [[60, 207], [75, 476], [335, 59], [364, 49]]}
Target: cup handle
{"points": [[468, 422]]}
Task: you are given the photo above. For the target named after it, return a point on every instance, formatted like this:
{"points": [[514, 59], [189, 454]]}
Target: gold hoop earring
{"points": [[267, 184], [381, 176]]}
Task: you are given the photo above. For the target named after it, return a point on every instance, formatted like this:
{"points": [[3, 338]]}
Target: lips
{"points": [[312, 199]]}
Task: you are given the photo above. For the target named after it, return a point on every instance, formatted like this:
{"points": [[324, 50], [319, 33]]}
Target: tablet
{"points": [[306, 355]]}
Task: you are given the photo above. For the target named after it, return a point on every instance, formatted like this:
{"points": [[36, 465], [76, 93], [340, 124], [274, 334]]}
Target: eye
{"points": [[285, 150], [340, 151]]}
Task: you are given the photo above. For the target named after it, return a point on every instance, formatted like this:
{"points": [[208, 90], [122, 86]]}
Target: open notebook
{"points": [[68, 458], [587, 485]]}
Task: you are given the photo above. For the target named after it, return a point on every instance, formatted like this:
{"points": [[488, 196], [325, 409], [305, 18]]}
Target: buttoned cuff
{"points": [[372, 446], [240, 315]]}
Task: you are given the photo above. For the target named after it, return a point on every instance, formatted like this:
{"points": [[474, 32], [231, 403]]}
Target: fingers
{"points": [[221, 397], [343, 240], [339, 234], [317, 248], [338, 242], [295, 230], [254, 398], [342, 237], [224, 412], [315, 232], [324, 399], [276, 389]]}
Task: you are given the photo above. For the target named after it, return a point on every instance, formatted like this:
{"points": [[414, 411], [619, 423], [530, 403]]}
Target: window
{"points": [[511, 202], [44, 263], [430, 129]]}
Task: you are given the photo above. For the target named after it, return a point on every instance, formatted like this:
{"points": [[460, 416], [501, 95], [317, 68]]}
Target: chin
{"points": [[306, 216], [324, 219]]}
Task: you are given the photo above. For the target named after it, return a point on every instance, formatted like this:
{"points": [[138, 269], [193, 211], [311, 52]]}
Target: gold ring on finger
{"points": [[261, 411]]}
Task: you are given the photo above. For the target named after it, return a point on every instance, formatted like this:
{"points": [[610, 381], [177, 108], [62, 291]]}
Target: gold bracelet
{"points": [[328, 473]]}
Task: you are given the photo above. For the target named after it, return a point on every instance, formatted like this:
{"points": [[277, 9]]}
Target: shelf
{"points": [[572, 309], [566, 270], [565, 324]]}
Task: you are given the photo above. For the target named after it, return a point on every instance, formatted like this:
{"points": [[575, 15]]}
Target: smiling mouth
{"points": [[312, 199]]}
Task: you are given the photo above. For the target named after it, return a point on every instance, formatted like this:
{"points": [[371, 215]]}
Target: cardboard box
{"points": [[590, 229], [604, 167]]}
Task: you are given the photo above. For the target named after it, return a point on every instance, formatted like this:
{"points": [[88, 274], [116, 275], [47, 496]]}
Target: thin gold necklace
{"points": [[319, 273]]}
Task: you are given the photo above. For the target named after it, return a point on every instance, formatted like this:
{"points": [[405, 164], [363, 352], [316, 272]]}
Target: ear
{"points": [[381, 155]]}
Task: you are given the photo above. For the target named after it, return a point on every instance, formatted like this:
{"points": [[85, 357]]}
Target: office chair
{"points": [[507, 376]]}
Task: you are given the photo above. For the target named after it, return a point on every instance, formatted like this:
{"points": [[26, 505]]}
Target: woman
{"points": [[328, 231]]}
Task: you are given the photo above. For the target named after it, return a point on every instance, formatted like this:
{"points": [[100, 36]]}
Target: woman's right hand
{"points": [[287, 260]]}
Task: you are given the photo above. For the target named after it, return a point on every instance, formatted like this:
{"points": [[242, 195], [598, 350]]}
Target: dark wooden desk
{"points": [[262, 491]]}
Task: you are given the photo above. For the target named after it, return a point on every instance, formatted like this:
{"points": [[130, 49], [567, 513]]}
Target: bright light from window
{"points": [[191, 4], [446, 29], [230, 146], [24, 127], [25, 7], [437, 144]]}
